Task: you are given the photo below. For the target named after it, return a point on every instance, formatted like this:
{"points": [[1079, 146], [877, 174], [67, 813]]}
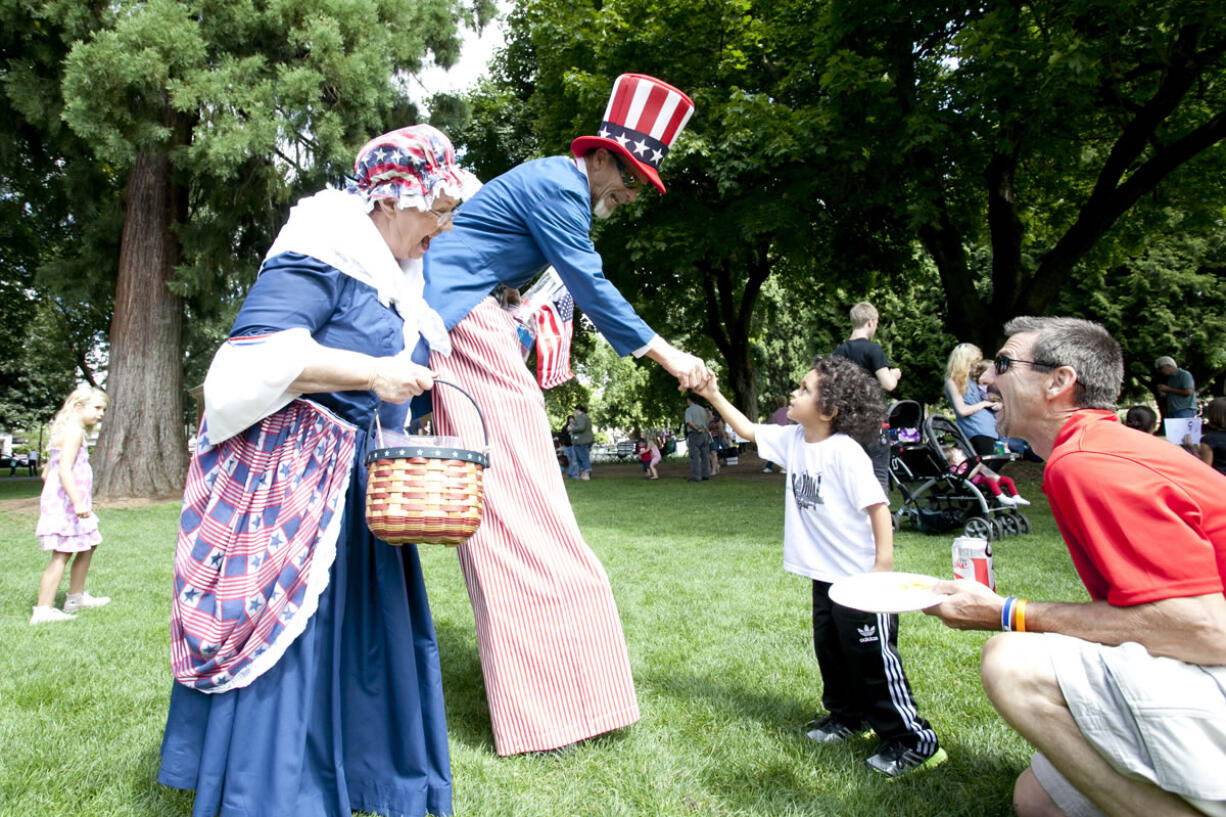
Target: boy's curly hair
{"points": [[843, 385]]}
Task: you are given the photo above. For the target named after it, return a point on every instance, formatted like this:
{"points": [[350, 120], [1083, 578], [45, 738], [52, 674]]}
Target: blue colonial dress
{"points": [[306, 664]]}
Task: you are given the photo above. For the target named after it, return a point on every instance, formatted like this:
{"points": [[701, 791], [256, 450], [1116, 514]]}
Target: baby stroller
{"points": [[935, 499]]}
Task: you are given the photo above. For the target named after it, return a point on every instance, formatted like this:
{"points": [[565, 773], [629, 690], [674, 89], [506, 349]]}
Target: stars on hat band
{"points": [[384, 164], [411, 165], [638, 144]]}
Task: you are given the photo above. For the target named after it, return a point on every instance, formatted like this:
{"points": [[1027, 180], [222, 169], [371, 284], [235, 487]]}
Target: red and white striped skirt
{"points": [[552, 650]]}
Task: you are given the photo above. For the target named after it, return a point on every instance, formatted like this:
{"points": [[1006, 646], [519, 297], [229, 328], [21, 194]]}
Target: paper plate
{"points": [[886, 592]]}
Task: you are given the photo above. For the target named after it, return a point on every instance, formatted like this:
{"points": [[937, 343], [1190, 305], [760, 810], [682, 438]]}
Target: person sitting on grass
{"points": [[1212, 446], [1124, 695], [1002, 488], [836, 524], [1142, 418]]}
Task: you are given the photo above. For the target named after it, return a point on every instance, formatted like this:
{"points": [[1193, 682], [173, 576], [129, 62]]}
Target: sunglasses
{"points": [[1003, 362], [629, 180]]}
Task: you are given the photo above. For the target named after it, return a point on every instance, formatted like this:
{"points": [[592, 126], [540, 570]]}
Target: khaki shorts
{"points": [[1075, 804], [1157, 719]]}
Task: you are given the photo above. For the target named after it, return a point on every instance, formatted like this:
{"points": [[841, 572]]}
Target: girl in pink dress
{"points": [[66, 523]]}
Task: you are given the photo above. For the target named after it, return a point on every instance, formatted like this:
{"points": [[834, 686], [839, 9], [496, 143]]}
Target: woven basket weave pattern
{"points": [[421, 500]]}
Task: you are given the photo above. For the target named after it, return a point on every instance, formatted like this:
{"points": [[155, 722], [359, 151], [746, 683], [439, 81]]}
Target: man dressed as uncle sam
{"points": [[552, 650]]}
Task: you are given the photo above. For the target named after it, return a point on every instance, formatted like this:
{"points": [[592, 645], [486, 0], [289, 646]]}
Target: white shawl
{"points": [[249, 378]]}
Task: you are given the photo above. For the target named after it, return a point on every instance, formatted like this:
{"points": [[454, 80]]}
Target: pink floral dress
{"points": [[59, 527]]}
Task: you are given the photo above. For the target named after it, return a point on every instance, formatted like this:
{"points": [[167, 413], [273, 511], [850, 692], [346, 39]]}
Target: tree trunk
{"points": [[142, 451], [1005, 225], [744, 385], [728, 321], [965, 317]]}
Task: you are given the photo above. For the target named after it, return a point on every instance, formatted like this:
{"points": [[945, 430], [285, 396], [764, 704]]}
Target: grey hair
{"points": [[1083, 345]]}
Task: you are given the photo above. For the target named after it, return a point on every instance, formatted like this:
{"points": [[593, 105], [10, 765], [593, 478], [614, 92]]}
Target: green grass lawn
{"points": [[719, 638]]}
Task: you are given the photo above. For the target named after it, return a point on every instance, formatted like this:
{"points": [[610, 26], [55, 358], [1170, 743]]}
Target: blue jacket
{"points": [[535, 215]]}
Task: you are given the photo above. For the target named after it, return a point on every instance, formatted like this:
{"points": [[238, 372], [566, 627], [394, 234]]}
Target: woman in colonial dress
{"points": [[306, 667]]}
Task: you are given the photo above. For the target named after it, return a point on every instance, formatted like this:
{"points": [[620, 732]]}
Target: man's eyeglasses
{"points": [[629, 180], [444, 218], [1003, 362]]}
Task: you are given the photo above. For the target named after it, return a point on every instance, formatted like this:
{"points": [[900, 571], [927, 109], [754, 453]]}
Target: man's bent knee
{"points": [[1002, 664], [1015, 664], [1030, 799]]}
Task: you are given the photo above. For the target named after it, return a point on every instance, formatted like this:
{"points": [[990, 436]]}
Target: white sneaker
{"points": [[1017, 500], [1003, 499], [75, 603], [42, 615]]}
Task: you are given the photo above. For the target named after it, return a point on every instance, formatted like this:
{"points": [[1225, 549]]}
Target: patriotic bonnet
{"points": [[412, 165], [642, 120]]}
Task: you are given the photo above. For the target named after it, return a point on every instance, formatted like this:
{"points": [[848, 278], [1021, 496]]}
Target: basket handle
{"points": [[376, 427]]}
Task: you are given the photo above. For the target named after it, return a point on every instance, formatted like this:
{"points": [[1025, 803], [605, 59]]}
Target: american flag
{"points": [[553, 329]]}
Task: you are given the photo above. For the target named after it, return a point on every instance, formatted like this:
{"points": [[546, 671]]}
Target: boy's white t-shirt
{"points": [[826, 533]]}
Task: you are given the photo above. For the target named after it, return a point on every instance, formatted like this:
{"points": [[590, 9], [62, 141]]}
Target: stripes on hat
{"points": [[642, 120], [645, 116]]}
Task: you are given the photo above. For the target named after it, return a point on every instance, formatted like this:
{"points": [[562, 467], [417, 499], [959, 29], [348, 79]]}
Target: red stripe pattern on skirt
{"points": [[552, 650], [257, 538]]}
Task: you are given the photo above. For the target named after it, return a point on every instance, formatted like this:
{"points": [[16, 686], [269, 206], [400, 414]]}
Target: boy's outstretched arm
{"points": [[883, 536], [731, 414]]}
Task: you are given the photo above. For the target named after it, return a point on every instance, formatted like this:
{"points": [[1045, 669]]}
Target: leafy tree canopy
{"points": [[1025, 151], [164, 139]]}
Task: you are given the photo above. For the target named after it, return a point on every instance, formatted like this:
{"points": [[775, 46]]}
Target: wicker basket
{"points": [[425, 494]]}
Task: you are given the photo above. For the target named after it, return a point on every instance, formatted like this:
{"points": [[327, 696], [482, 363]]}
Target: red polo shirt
{"points": [[1144, 520]]}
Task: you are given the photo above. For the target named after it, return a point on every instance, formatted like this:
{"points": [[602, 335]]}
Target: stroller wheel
{"points": [[998, 528], [979, 528], [1009, 524], [1023, 524]]}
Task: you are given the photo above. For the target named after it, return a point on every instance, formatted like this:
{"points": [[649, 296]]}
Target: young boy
{"points": [[836, 524]]}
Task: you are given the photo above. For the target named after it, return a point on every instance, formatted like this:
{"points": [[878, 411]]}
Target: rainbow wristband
{"points": [[1006, 614]]}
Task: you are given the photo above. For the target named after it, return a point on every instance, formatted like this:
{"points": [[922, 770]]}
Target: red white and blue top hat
{"points": [[641, 122]]}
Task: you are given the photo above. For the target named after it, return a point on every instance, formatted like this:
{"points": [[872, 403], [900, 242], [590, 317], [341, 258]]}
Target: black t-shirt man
{"points": [[865, 353], [868, 355]]}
